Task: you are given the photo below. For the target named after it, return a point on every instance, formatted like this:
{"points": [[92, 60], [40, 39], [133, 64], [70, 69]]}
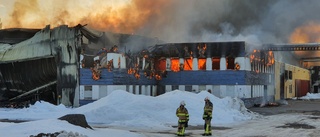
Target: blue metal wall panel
{"points": [[219, 77], [114, 77], [254, 78], [86, 77], [225, 77], [121, 77]]}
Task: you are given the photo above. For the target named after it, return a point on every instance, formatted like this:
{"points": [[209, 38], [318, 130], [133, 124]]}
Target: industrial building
{"points": [[76, 65]]}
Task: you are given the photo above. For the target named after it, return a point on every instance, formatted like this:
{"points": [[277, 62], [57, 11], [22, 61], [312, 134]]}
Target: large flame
{"points": [[125, 16], [308, 33]]}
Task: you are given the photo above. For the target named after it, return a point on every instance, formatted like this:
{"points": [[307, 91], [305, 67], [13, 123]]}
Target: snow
{"points": [[310, 96], [120, 113]]}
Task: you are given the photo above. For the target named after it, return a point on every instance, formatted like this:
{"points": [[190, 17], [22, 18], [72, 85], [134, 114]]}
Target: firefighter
{"points": [[207, 116], [183, 115]]}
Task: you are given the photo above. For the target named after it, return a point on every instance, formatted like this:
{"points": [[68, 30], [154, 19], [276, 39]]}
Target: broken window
{"points": [[175, 87], [230, 63], [187, 64], [160, 64], [188, 87], [175, 65], [87, 88], [215, 63], [202, 64]]}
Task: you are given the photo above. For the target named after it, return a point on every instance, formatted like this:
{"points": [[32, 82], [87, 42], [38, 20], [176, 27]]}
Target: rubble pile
{"points": [[59, 134]]}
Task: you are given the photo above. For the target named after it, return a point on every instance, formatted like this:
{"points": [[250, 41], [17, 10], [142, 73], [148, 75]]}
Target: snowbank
{"points": [[311, 96], [121, 108]]}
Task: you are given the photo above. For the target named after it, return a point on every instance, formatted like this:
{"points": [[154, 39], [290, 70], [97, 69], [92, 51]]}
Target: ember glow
{"points": [[309, 33]]}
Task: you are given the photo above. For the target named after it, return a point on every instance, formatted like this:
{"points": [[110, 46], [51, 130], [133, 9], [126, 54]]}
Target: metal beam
{"points": [[34, 90], [292, 47]]}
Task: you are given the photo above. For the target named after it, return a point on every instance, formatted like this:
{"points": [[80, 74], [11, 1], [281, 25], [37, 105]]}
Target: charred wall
{"points": [[49, 55], [20, 77]]}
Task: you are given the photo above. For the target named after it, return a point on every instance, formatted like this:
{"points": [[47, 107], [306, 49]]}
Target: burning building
{"points": [[221, 67], [76, 65]]}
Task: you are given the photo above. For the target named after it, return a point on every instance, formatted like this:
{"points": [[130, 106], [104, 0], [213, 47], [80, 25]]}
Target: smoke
{"points": [[255, 22]]}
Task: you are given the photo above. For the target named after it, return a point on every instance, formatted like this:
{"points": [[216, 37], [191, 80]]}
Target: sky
{"points": [[121, 113], [272, 21]]}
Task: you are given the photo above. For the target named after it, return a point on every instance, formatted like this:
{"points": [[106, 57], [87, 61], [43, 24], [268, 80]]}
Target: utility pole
{"points": [[0, 24]]}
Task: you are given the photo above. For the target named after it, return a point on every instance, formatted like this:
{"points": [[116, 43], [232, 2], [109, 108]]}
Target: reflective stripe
{"points": [[182, 114]]}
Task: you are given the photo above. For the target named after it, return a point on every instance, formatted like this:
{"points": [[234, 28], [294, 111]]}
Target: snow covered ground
{"points": [[122, 114]]}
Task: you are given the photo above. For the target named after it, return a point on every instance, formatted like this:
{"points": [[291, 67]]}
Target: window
{"points": [[290, 74], [290, 89], [175, 65], [160, 64], [187, 64], [134, 89], [174, 87], [230, 63], [188, 87], [87, 88], [202, 87], [202, 64], [215, 63]]}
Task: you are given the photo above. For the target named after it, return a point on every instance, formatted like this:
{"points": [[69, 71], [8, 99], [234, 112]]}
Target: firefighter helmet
{"points": [[182, 103]]}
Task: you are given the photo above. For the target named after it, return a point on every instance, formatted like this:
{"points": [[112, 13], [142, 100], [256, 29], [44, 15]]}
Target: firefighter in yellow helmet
{"points": [[183, 115], [207, 116]]}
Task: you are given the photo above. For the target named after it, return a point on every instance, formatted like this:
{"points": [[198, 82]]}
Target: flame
{"points": [[237, 66], [270, 58], [308, 33], [202, 64], [175, 65], [252, 56], [125, 16], [187, 64]]}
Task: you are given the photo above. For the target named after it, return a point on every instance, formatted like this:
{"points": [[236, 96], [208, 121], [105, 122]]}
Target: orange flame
{"points": [[175, 65], [308, 33], [270, 58], [202, 64]]}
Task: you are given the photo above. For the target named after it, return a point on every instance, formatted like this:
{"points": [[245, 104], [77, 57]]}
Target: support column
{"points": [[195, 88], [130, 89], [181, 63], [148, 90], [168, 88], [137, 90], [143, 63], [195, 64], [81, 58], [223, 63], [182, 87], [243, 62], [81, 91], [168, 64], [143, 89], [95, 92], [209, 64]]}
